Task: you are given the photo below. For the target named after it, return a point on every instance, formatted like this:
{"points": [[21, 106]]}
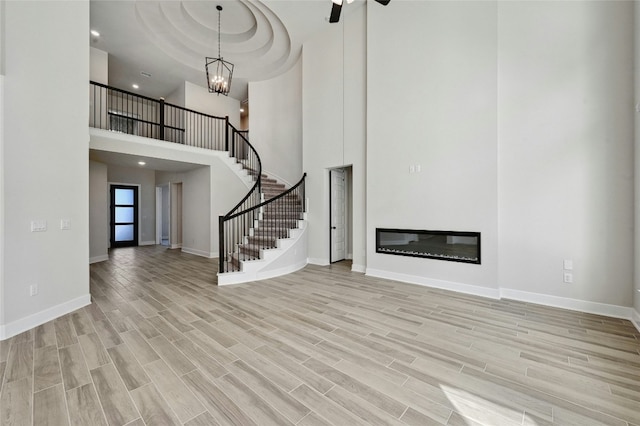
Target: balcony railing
{"points": [[121, 111]]}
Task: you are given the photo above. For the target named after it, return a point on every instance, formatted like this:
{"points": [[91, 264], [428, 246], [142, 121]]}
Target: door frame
{"points": [[159, 212], [137, 212], [346, 229]]}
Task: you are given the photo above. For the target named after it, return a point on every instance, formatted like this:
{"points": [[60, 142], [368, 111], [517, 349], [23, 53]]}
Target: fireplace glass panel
{"points": [[454, 246]]}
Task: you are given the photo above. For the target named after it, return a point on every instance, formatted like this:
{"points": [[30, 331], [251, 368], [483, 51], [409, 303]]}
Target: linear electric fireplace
{"points": [[445, 245]]}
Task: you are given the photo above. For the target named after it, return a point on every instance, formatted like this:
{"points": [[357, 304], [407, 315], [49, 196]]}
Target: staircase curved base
{"points": [[290, 256]]}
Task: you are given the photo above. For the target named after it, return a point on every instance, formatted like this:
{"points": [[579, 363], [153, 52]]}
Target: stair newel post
{"points": [[303, 201], [161, 133], [221, 251]]}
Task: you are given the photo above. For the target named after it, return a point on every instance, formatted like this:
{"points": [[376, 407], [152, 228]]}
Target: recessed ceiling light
{"points": [[142, 163], [135, 86], [95, 33]]}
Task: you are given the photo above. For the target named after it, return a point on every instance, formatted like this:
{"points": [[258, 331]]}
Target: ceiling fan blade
{"points": [[335, 13], [383, 2]]}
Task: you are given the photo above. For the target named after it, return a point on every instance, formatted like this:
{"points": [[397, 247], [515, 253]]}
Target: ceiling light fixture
{"points": [[135, 86], [95, 33], [219, 71], [142, 163], [241, 109]]}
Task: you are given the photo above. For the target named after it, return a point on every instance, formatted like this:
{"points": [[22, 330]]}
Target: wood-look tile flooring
{"points": [[162, 345]]}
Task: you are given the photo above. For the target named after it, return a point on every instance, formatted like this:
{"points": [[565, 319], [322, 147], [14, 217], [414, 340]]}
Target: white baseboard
{"points": [[492, 293], [16, 327], [605, 309], [175, 246], [635, 318], [197, 252], [358, 268], [349, 256], [317, 261], [96, 259], [147, 243]]}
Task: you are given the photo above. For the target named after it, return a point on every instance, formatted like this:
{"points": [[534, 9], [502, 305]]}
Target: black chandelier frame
{"points": [[219, 72]]}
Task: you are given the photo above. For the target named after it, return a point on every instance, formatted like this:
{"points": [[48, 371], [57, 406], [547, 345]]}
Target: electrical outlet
{"points": [[568, 277], [33, 289], [65, 224], [567, 265]]}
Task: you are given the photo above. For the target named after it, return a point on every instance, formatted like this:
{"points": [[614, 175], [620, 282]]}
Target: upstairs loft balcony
{"points": [[121, 111]]}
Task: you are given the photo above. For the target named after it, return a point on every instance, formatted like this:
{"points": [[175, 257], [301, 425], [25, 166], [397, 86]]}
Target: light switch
{"points": [[38, 225], [568, 265], [65, 224]]}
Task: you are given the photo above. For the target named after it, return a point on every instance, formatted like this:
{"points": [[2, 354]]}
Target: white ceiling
{"points": [[127, 160], [170, 39]]}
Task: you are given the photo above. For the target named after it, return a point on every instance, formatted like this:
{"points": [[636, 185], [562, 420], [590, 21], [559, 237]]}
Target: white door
{"points": [[338, 214], [158, 215]]}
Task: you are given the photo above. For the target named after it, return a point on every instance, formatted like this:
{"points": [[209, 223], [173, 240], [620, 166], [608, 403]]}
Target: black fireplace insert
{"points": [[454, 246]]}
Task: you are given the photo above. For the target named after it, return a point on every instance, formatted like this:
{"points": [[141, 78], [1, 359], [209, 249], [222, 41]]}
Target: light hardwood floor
{"points": [[161, 345]]}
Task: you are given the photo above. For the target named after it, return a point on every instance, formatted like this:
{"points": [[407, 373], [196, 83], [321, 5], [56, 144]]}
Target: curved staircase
{"points": [[277, 231]]}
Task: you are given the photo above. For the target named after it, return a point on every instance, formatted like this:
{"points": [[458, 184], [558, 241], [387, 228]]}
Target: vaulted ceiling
{"points": [[169, 40]]}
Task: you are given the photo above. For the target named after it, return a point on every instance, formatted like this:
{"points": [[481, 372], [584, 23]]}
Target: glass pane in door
{"points": [[124, 196], [124, 232], [124, 215]]}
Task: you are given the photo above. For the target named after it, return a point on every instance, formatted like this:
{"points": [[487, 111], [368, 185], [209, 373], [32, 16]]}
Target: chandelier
{"points": [[219, 71]]}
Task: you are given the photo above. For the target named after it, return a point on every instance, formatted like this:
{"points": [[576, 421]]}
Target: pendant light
{"points": [[219, 71]]}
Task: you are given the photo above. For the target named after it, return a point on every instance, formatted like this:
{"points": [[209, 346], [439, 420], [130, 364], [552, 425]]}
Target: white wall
{"points": [[197, 230], [333, 110], [432, 102], [98, 212], [516, 111], [275, 124], [199, 99], [2, 36], [177, 96], [636, 298], [2, 72], [2, 298], [565, 126], [99, 66], [147, 197], [45, 161]]}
